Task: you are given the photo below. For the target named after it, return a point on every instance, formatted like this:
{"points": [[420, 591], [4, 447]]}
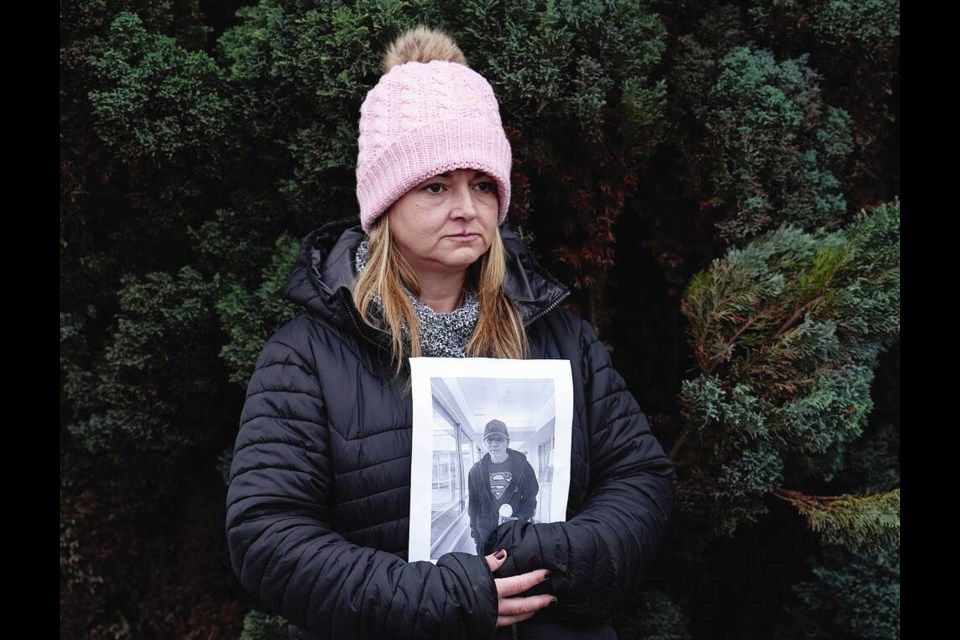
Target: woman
{"points": [[318, 502]]}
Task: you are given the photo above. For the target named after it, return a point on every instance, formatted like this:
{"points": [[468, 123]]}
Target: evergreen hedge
{"points": [[717, 181]]}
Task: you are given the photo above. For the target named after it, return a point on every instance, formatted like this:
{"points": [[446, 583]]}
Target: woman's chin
{"points": [[462, 258]]}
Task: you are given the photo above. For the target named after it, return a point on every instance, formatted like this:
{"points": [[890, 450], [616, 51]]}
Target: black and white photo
{"points": [[491, 444]]}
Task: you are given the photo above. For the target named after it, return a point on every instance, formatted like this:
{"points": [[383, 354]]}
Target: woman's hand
{"points": [[517, 609]]}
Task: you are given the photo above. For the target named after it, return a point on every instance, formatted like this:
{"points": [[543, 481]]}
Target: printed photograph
{"points": [[491, 445]]}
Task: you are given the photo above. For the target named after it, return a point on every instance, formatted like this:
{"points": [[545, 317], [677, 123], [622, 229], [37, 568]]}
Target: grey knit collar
{"points": [[442, 335]]}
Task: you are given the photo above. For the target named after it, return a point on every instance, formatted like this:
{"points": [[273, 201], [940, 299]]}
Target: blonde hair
{"points": [[499, 332]]}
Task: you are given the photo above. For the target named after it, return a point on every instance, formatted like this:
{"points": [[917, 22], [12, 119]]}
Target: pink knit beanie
{"points": [[425, 118]]}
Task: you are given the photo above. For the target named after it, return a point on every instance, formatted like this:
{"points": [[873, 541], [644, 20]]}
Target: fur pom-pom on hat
{"points": [[428, 114], [422, 45]]}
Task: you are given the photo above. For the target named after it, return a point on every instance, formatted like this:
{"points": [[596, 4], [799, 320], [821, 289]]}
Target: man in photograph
{"points": [[502, 487]]}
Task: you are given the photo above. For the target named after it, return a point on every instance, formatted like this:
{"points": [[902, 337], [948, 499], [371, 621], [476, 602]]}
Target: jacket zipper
{"points": [[515, 632], [514, 629], [553, 305], [356, 323]]}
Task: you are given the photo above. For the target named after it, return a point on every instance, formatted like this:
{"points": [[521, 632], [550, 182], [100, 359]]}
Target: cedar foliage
{"points": [[707, 156], [248, 316], [261, 626], [786, 333], [156, 386], [765, 148]]}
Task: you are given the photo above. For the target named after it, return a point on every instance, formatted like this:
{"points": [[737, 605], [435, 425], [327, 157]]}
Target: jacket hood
{"points": [[323, 277], [324, 265]]}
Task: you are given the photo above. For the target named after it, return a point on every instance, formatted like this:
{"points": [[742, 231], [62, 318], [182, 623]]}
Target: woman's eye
{"points": [[486, 187], [434, 188]]}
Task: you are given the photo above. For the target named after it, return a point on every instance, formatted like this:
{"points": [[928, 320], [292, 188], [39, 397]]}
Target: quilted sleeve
{"points": [[285, 551], [600, 554]]}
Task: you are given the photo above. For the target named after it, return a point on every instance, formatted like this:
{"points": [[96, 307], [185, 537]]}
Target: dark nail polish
{"points": [[552, 602], [500, 555], [547, 575]]}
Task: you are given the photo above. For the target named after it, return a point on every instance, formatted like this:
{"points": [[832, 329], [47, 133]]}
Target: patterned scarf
{"points": [[442, 335]]}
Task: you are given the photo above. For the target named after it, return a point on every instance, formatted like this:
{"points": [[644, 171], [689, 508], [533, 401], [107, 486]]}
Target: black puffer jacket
{"points": [[317, 509]]}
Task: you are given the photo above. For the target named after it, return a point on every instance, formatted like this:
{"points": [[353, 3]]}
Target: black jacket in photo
{"points": [[484, 508]]}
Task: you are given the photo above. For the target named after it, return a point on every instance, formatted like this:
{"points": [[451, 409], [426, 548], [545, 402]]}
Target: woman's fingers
{"points": [[513, 585], [517, 609], [506, 621], [514, 610], [525, 606], [496, 560]]}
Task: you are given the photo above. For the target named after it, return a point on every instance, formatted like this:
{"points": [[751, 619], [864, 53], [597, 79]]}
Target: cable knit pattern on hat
{"points": [[423, 119]]}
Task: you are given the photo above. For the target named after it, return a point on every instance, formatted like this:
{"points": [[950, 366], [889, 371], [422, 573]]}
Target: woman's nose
{"points": [[464, 205]]}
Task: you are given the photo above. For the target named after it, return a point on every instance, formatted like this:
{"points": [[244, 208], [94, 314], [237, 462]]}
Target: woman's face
{"points": [[444, 224]]}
